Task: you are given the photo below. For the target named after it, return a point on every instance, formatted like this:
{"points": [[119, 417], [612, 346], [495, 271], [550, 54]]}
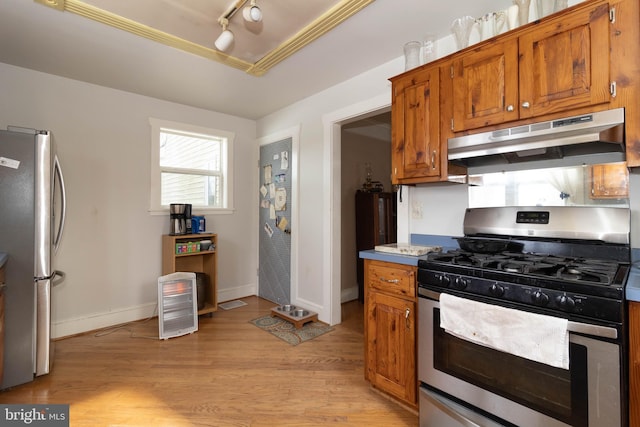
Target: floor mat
{"points": [[231, 304]]}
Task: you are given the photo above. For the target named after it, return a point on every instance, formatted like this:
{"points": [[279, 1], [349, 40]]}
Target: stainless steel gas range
{"points": [[523, 274]]}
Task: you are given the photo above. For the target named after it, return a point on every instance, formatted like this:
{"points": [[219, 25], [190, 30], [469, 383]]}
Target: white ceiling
{"points": [[66, 44]]}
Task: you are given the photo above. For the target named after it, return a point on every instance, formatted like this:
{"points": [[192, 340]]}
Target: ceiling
{"points": [[164, 48]]}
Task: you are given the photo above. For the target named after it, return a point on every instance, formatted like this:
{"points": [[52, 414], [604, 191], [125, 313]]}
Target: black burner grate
{"points": [[564, 268]]}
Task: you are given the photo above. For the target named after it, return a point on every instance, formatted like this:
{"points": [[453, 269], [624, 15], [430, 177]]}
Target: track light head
{"points": [[224, 40], [252, 13]]}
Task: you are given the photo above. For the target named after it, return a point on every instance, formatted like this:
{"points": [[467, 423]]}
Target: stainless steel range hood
{"points": [[595, 133]]}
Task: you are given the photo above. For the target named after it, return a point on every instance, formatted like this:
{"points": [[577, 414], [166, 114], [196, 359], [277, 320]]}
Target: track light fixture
{"points": [[252, 13], [224, 40]]}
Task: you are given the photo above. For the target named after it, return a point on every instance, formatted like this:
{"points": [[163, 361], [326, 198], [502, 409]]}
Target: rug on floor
{"points": [[287, 332], [232, 304]]}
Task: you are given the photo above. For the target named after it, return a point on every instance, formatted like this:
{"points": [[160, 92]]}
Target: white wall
{"points": [[634, 204], [437, 209], [111, 249]]}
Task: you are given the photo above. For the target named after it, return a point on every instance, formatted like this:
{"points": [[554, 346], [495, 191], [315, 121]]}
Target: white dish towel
{"points": [[532, 336]]}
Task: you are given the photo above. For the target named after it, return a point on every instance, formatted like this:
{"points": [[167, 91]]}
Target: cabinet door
{"points": [[564, 64], [485, 86], [609, 181], [391, 354], [415, 121]]}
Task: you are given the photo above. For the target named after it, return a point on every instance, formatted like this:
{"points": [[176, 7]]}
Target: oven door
{"points": [[465, 384]]}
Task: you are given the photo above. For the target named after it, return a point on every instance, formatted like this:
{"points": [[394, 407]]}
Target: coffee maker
{"points": [[178, 218], [187, 218]]}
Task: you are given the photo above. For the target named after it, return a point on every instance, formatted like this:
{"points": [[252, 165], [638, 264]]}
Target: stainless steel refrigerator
{"points": [[32, 213]]}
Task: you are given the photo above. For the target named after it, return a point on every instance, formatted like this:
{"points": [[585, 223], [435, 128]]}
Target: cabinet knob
{"points": [[510, 108], [433, 159], [407, 313], [526, 104]]}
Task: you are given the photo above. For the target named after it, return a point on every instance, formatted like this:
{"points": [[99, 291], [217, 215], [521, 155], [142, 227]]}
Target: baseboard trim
{"points": [[349, 294], [97, 321], [237, 292]]}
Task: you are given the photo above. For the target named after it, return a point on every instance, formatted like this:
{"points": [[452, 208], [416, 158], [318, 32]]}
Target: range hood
{"points": [[594, 133]]}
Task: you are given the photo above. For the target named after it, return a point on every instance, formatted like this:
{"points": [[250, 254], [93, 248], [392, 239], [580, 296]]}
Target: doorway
{"points": [[365, 158], [332, 267]]}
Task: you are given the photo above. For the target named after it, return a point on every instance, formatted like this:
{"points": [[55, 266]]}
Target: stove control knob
{"points": [[565, 302], [540, 298], [496, 290], [443, 280], [460, 283]]}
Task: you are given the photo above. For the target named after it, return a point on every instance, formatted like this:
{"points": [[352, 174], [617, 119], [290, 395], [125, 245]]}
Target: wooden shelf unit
{"points": [[197, 262]]}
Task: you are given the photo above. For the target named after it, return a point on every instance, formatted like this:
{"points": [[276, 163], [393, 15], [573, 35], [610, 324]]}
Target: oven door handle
{"points": [[466, 422], [593, 330], [577, 327]]}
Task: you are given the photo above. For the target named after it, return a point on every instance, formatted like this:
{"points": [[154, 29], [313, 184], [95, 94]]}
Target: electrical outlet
{"points": [[416, 210]]}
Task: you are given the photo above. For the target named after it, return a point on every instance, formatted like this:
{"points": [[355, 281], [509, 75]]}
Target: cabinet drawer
{"points": [[396, 279]]}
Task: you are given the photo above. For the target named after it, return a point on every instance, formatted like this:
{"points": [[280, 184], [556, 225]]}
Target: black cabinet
{"points": [[375, 225]]}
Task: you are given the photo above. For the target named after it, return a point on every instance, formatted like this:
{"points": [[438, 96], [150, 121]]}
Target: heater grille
{"points": [[177, 305]]}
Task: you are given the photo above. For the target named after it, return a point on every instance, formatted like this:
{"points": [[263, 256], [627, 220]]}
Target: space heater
{"points": [[177, 305]]}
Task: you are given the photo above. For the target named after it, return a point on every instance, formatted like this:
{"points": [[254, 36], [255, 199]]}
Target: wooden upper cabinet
{"points": [[610, 181], [415, 124], [565, 63], [580, 60], [556, 66], [485, 86]]}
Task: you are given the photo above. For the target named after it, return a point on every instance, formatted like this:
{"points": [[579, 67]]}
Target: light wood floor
{"points": [[229, 373]]}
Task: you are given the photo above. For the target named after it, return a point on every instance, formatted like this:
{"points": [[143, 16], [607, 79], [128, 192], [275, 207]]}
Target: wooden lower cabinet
{"points": [[634, 363], [390, 329]]}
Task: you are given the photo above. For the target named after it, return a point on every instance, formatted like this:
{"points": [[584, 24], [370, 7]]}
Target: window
{"points": [[190, 164]]}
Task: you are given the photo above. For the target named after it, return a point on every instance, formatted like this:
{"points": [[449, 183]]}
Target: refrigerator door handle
{"points": [[52, 278], [63, 208], [60, 275]]}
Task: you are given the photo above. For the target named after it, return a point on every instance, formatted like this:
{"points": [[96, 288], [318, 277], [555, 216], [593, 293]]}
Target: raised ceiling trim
{"points": [[334, 16], [56, 4], [311, 32]]}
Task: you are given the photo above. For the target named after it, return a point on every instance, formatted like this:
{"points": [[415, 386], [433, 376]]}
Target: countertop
{"points": [[633, 281], [383, 256], [446, 242], [3, 258]]}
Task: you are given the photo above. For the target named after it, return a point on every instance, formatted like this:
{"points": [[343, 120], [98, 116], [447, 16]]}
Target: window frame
{"points": [[157, 125]]}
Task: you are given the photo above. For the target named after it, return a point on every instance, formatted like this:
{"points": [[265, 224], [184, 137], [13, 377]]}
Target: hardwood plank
{"points": [[229, 373]]}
